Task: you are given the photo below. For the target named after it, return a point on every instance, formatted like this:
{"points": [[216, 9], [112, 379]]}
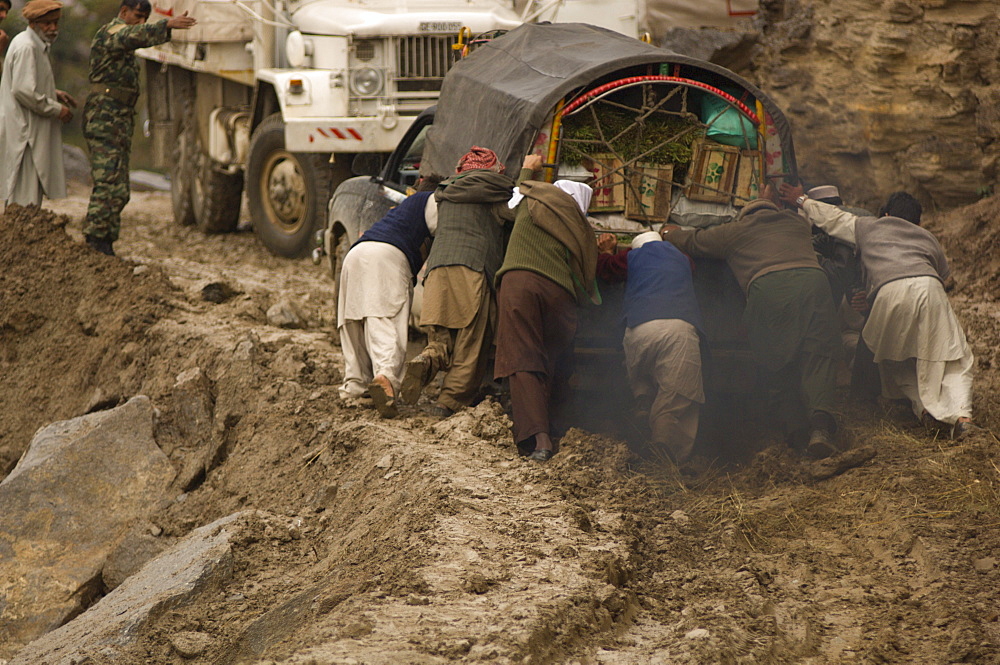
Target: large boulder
{"points": [[200, 562], [63, 508]]}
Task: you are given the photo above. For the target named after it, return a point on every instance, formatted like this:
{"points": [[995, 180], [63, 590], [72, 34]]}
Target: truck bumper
{"points": [[345, 134]]}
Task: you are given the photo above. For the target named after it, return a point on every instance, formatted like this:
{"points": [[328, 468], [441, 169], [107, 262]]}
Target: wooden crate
{"points": [[647, 195], [712, 172], [749, 177], [608, 183]]}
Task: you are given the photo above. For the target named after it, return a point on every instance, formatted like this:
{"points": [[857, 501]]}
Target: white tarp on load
{"points": [[632, 17], [662, 15], [218, 20]]}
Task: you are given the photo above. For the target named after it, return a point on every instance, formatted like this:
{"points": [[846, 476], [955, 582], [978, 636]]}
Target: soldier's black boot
{"points": [[102, 245]]}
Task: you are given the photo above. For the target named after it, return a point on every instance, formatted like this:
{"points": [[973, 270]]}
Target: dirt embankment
{"points": [[884, 96], [418, 541]]}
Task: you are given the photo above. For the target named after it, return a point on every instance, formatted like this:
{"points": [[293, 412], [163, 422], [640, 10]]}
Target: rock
{"points": [[218, 292], [190, 644], [357, 630], [984, 565], [324, 498], [193, 405], [65, 506], [135, 549], [285, 314], [696, 634], [475, 582], [147, 181], [680, 517], [198, 563], [77, 164], [385, 462], [914, 107], [289, 361]]}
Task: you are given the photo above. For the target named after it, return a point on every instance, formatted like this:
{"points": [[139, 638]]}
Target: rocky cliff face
{"points": [[881, 94], [887, 95]]}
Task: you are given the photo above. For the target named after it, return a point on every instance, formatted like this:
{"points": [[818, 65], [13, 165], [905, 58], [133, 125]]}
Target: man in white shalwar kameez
{"points": [[32, 111], [376, 289], [918, 342]]}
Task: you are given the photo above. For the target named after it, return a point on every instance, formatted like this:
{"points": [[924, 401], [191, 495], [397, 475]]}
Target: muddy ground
{"points": [[424, 541]]}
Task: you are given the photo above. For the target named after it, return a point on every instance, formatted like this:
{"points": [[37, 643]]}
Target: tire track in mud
{"points": [[431, 542]]}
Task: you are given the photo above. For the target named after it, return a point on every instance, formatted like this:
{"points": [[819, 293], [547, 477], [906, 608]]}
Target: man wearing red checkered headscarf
{"points": [[479, 158], [459, 305]]}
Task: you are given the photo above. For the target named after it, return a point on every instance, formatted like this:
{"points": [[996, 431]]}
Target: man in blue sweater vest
{"points": [[376, 290], [662, 339]]}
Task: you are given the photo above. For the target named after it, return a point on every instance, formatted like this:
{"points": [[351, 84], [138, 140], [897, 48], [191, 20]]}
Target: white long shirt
{"points": [[29, 116], [910, 317]]}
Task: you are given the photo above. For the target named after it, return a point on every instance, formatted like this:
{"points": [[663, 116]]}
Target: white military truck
{"points": [[280, 96]]}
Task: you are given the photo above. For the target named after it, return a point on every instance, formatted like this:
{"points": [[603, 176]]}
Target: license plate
{"points": [[440, 26]]}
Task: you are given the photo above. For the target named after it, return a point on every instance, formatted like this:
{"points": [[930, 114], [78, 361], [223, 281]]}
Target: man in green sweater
{"points": [[459, 307], [790, 319], [549, 267]]}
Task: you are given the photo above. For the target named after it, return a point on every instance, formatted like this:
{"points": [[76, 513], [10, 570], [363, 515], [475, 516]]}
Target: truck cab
{"points": [[276, 101]]}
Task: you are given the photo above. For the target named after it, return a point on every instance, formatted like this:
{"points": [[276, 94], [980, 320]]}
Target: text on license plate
{"points": [[440, 26]]}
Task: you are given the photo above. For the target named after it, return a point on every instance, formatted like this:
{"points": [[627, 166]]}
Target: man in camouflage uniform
{"points": [[108, 115]]}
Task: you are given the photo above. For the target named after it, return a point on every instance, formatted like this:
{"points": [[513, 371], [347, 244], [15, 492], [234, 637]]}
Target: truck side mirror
{"points": [[367, 163]]}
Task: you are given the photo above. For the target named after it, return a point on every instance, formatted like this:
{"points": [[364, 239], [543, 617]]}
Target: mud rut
{"points": [[416, 541]]}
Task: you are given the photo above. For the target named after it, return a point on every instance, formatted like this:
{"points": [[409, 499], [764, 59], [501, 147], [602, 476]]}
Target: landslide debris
{"points": [[72, 326], [427, 541]]}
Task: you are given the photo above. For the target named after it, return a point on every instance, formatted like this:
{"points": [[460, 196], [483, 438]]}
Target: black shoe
{"points": [[438, 411], [102, 245], [961, 429], [526, 447], [820, 444], [541, 455]]}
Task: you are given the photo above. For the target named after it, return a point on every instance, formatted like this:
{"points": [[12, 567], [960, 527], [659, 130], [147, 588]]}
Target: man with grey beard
{"points": [[31, 111]]}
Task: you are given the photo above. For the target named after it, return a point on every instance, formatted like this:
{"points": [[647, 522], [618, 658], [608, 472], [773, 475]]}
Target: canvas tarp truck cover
{"points": [[501, 94]]}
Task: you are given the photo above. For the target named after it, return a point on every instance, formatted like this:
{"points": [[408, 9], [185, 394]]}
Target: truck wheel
{"points": [[287, 192], [216, 197], [341, 245], [183, 172]]}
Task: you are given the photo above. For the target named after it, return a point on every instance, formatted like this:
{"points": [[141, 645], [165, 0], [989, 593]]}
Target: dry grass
{"points": [[943, 478]]}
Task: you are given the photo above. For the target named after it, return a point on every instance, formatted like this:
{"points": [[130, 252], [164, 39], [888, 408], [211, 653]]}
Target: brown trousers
{"points": [[534, 336], [463, 354]]}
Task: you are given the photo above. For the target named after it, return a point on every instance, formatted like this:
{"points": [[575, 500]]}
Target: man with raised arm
{"points": [[917, 340], [108, 115], [790, 319]]}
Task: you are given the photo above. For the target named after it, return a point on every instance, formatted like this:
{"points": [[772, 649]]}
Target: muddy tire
{"points": [[287, 192], [340, 247], [184, 168], [216, 197]]}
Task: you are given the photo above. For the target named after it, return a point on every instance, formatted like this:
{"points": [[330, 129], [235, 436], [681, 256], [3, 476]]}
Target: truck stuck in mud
{"points": [[660, 136]]}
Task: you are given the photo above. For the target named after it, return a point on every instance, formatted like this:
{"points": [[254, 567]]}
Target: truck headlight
{"points": [[366, 82]]}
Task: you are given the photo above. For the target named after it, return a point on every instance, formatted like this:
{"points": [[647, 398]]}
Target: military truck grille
{"points": [[421, 63]]}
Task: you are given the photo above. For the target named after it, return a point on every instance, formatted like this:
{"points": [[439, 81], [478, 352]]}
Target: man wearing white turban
{"points": [[549, 267]]}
